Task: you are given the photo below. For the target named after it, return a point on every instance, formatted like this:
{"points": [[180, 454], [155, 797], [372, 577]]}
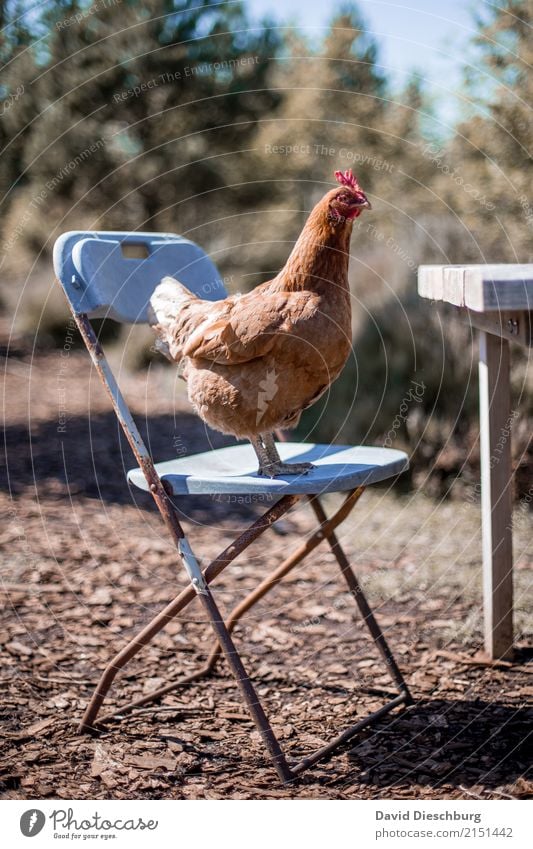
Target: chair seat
{"points": [[233, 470]]}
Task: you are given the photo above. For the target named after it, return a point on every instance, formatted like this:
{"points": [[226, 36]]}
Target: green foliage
{"points": [[495, 144]]}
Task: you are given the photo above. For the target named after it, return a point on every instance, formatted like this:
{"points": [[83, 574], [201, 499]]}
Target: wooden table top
{"points": [[482, 288]]}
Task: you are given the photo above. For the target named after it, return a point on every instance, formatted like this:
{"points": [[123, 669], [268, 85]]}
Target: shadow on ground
{"points": [[445, 742], [90, 456]]}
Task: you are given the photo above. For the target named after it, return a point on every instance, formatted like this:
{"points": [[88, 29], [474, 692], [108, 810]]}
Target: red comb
{"points": [[347, 179]]}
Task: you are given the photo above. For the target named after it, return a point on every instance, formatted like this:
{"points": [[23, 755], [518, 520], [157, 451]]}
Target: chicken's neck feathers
{"points": [[320, 256]]}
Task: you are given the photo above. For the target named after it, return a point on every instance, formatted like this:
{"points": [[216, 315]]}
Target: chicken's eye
{"points": [[344, 198]]}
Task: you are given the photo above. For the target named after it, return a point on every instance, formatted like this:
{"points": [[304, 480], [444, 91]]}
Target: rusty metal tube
{"points": [[326, 527], [245, 686], [346, 735], [363, 605], [129, 427], [236, 614], [177, 604]]}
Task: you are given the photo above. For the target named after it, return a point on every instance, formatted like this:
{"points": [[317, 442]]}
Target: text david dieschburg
{"points": [[428, 815]]}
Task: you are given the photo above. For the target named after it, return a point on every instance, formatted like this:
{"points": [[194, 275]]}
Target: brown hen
{"points": [[253, 362]]}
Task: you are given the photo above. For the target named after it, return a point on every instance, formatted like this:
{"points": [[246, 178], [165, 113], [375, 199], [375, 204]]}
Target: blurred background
{"points": [[224, 122]]}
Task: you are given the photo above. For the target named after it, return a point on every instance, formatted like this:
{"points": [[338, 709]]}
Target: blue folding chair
{"points": [[113, 274]]}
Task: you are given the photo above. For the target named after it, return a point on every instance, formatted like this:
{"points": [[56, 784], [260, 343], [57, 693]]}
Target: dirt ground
{"points": [[86, 562]]}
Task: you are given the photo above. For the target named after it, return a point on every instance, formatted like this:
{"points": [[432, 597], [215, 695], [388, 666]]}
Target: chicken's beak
{"points": [[361, 202]]}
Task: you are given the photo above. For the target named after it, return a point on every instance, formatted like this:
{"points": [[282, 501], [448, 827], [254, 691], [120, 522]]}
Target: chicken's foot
{"points": [[270, 463]]}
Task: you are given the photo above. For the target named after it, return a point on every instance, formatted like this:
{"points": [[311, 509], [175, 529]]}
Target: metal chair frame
{"points": [[200, 586]]}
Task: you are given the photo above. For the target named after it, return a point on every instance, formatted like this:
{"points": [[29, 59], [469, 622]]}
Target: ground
{"points": [[86, 562]]}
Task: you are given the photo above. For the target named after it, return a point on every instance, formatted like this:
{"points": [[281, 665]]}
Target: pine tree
{"points": [[132, 113], [494, 147]]}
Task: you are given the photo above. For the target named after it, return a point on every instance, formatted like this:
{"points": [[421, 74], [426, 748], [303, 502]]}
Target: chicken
{"points": [[254, 362]]}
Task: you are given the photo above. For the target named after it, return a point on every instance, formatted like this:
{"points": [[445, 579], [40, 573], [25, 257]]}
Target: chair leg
{"points": [[225, 644], [232, 656], [246, 687], [362, 603], [170, 611], [325, 530], [283, 569], [326, 527], [128, 652]]}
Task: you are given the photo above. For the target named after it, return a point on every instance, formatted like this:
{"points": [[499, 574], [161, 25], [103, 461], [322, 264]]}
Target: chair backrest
{"points": [[113, 274]]}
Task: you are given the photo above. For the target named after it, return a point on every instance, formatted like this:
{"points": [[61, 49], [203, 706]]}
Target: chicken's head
{"points": [[348, 201]]}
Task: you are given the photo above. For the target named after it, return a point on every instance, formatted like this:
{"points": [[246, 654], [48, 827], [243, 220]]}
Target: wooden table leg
{"points": [[496, 494]]}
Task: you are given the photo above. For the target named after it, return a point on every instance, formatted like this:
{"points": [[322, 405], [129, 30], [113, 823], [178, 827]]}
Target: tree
{"points": [[494, 147], [132, 112]]}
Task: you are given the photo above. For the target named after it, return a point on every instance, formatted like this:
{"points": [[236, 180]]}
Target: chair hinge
{"points": [[192, 566]]}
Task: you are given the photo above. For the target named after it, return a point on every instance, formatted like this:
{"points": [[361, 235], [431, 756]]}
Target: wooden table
{"points": [[497, 300]]}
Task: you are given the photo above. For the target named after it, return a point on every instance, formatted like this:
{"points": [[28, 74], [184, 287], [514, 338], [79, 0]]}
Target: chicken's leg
{"points": [[270, 463]]}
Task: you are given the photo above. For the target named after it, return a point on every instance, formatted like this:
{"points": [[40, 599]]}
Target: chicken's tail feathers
{"points": [[167, 299], [168, 312]]}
